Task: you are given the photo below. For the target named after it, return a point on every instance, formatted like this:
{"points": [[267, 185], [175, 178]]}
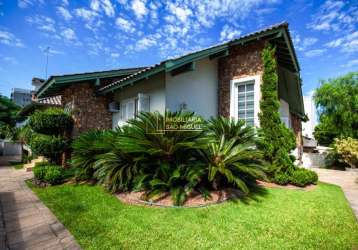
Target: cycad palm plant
{"points": [[229, 149], [164, 151], [88, 147]]}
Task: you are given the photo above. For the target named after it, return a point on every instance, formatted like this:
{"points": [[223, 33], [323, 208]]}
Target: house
{"points": [[220, 80]]}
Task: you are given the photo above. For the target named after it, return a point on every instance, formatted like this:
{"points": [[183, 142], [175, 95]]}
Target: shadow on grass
{"points": [[257, 193]]}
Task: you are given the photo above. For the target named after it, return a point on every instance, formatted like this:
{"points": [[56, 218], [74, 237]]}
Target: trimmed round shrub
{"points": [[302, 177], [49, 146], [39, 172], [281, 178], [52, 121], [53, 174]]}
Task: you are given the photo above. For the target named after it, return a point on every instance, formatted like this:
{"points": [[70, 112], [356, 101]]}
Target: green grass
{"points": [[282, 219]]}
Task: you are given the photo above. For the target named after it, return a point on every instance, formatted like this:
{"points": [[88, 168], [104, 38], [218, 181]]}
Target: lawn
{"points": [[281, 219]]}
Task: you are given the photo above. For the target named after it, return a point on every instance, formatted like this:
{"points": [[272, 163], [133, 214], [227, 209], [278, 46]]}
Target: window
{"points": [[131, 107], [128, 109], [245, 98]]}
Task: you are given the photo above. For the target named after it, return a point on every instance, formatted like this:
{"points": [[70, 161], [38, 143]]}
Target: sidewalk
{"points": [[346, 180], [25, 222]]}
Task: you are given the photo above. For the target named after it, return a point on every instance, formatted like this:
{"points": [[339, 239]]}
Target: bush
{"points": [[49, 146], [347, 150], [39, 171], [302, 177], [281, 178], [52, 121], [51, 174]]}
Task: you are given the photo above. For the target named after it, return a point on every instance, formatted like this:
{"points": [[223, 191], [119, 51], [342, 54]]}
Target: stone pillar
{"points": [[89, 111]]}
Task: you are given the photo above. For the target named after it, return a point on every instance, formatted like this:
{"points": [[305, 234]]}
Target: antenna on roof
{"points": [[47, 51]]}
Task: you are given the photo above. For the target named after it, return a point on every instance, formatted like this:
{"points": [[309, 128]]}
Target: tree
{"points": [[337, 104], [278, 140], [8, 111]]}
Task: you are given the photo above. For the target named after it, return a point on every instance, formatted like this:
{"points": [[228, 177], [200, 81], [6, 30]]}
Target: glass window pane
{"points": [[241, 114], [250, 87], [250, 96], [241, 105], [250, 105], [241, 88], [241, 96], [250, 113], [250, 122]]}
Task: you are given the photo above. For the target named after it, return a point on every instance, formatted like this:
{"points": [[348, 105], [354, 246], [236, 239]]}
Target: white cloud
{"points": [[125, 25], [69, 34], [105, 5], [347, 43], [145, 43], [181, 13], [309, 41], [114, 55], [10, 39], [139, 9], [85, 14], [314, 52], [43, 23], [51, 51], [62, 11], [351, 63], [9, 59], [229, 33], [27, 3], [334, 16], [65, 2]]}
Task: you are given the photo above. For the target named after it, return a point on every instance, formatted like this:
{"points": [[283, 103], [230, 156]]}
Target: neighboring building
{"points": [[37, 83], [310, 109], [221, 80], [21, 97]]}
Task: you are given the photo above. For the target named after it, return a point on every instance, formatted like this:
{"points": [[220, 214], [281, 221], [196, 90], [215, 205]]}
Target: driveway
{"points": [[346, 180]]}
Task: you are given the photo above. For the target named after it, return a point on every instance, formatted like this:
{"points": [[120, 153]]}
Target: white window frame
{"points": [[234, 105]]}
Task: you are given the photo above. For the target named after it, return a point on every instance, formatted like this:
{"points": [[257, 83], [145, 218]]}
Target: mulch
{"points": [[194, 199]]}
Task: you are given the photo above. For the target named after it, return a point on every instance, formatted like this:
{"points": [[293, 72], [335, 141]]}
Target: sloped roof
{"points": [[55, 82], [178, 61]]}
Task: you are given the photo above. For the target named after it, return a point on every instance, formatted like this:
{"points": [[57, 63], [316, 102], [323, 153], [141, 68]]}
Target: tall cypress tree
{"points": [[278, 140]]}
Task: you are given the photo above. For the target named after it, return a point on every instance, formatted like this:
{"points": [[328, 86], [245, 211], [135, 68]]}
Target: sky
{"points": [[92, 35]]}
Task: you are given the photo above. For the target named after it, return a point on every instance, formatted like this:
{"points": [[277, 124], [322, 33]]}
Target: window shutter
{"points": [[143, 103]]}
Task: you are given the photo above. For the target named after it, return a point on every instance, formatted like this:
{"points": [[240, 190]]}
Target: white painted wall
{"points": [[198, 89], [285, 113], [153, 87], [310, 109]]}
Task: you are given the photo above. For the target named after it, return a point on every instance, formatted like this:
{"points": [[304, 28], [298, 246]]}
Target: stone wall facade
{"points": [[88, 110], [243, 61]]}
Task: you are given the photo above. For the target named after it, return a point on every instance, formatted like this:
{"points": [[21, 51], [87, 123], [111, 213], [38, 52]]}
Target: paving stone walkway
{"points": [[25, 222], [346, 180]]}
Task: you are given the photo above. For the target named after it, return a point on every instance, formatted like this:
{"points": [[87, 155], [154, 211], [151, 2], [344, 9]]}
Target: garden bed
{"points": [[288, 186], [194, 199]]}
